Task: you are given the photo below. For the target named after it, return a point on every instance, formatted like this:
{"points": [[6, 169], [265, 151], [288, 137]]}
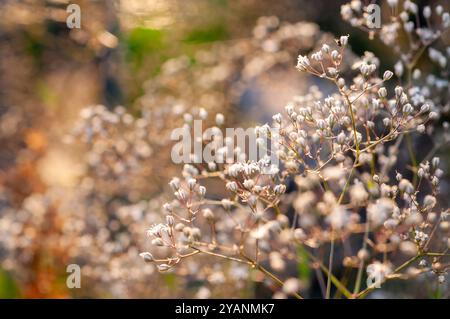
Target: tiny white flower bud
{"points": [[180, 195], [335, 55], [191, 183], [175, 183], [279, 189], [382, 92], [299, 234], [248, 183], [433, 115], [424, 108], [208, 214], [226, 204], [427, 12], [344, 40], [148, 257], [407, 108], [203, 114], [341, 138], [168, 208], [435, 162], [220, 119], [163, 267], [387, 75], [363, 254], [232, 186], [201, 191], [277, 118], [170, 220], [157, 242]]}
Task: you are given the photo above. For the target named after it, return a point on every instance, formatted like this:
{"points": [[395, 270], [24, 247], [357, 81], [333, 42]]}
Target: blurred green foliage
{"points": [[208, 34], [143, 41], [304, 271], [8, 288]]}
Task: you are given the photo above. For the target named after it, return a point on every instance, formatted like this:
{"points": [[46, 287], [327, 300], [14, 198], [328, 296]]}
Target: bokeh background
{"points": [[62, 200]]}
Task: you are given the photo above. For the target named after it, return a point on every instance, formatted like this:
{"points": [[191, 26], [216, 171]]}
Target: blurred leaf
{"points": [[142, 41], [47, 94], [220, 2], [8, 288], [208, 34], [34, 46], [437, 293], [170, 280], [304, 271]]}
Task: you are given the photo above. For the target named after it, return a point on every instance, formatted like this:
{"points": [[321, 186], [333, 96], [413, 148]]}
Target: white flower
{"points": [[148, 257], [191, 183], [235, 169], [203, 114], [427, 12], [279, 189], [344, 40], [302, 63], [392, 3], [429, 201], [175, 183], [420, 128], [208, 214], [407, 108], [291, 286], [358, 194], [339, 217], [398, 68], [232, 186], [248, 183], [220, 119], [333, 173], [157, 230], [406, 186], [260, 232], [180, 195], [387, 75], [299, 234], [203, 293], [379, 211], [201, 191], [226, 203], [382, 92], [378, 271], [163, 267], [277, 118]]}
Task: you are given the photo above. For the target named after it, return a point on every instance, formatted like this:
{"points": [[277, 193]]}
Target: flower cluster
{"points": [[343, 195]]}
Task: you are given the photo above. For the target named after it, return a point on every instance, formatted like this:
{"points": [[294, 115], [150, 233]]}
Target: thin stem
{"points": [[276, 279], [330, 267], [221, 256], [352, 117], [334, 280], [361, 264], [366, 291]]}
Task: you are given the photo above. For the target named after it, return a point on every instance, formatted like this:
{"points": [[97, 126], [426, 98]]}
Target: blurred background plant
{"points": [[85, 190]]}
